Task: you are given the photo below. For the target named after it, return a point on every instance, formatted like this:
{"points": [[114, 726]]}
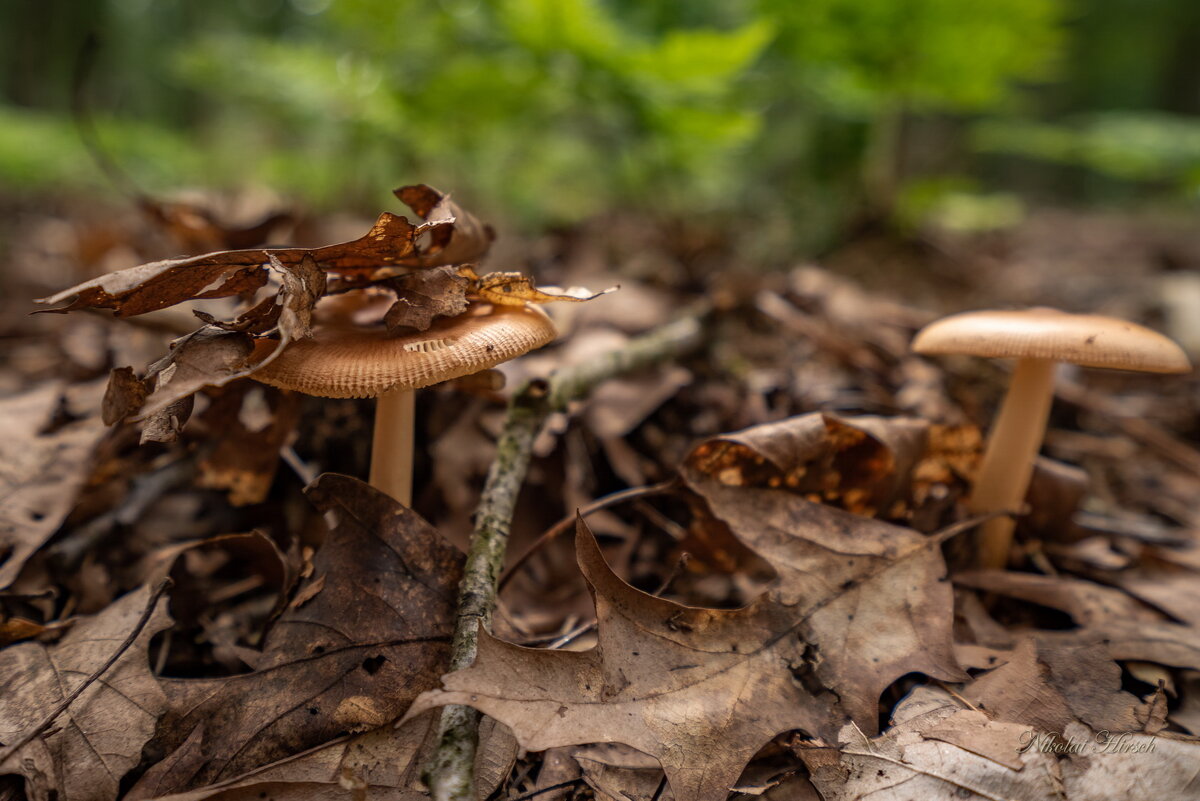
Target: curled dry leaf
{"points": [[99, 738], [209, 356], [41, 471], [149, 287], [456, 236], [350, 658], [863, 465], [516, 289]]}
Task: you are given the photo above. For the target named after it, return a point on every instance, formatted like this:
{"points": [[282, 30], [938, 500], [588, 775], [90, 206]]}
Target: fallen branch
{"points": [[450, 773]]}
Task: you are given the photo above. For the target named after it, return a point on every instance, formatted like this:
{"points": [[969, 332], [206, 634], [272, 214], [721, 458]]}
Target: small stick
{"points": [[29, 736], [533, 793], [568, 521], [449, 774]]}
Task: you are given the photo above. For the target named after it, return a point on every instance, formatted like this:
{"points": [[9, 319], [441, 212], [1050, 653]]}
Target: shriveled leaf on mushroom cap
{"points": [[516, 289], [389, 245], [423, 296], [456, 236]]}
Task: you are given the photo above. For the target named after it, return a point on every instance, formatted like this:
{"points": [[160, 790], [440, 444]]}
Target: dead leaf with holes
{"points": [[42, 467], [350, 658], [99, 738]]}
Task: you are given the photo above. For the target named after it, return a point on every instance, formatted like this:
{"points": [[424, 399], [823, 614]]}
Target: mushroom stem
{"points": [[1012, 446], [392, 445]]}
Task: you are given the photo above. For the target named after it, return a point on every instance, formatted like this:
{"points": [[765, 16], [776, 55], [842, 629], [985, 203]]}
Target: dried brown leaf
{"points": [[1128, 629], [350, 658], [516, 289], [938, 751], [422, 296], [99, 738], [456, 236], [41, 471], [862, 465], [124, 395], [148, 287], [1047, 686], [206, 357], [702, 690]]}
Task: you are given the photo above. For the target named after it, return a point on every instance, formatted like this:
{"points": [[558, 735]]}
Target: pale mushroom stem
{"points": [[1012, 447], [392, 445]]}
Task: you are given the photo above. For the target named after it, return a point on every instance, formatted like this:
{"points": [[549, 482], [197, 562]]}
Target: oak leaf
{"points": [[858, 604], [157, 285], [100, 736], [702, 690]]}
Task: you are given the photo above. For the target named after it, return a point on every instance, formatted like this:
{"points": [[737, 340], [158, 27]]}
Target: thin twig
{"points": [[533, 793], [450, 771], [29, 736], [568, 521], [956, 696]]}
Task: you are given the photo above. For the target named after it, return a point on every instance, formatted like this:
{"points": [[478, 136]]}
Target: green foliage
{"points": [[555, 110], [1135, 146], [546, 111], [920, 53]]}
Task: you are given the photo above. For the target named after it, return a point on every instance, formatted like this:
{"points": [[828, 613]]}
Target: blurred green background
{"points": [[799, 118]]}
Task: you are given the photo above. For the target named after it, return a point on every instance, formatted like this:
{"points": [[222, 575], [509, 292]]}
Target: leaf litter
{"points": [[826, 639]]}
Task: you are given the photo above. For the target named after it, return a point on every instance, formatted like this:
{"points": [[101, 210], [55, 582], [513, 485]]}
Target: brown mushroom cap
{"points": [[1085, 339], [345, 360]]}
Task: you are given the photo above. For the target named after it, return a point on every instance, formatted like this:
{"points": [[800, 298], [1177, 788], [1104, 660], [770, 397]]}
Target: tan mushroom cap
{"points": [[345, 360], [1089, 340]]}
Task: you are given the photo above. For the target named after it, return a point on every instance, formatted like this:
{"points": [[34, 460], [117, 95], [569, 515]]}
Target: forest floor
{"points": [[787, 608]]}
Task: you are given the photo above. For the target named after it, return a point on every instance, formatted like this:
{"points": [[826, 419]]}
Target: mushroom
{"points": [[1038, 339], [351, 355]]}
